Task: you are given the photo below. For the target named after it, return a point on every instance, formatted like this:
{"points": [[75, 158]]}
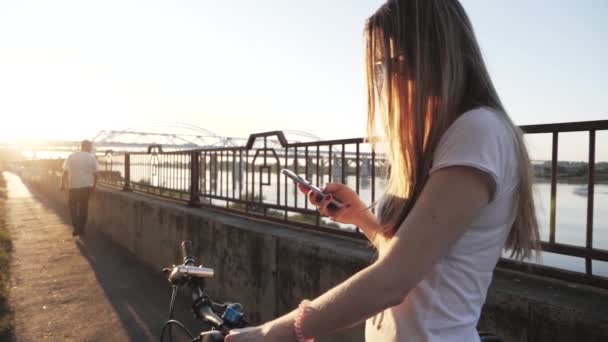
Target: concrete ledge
{"points": [[523, 307], [269, 268]]}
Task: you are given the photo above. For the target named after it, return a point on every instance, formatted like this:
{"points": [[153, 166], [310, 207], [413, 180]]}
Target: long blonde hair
{"points": [[425, 69]]}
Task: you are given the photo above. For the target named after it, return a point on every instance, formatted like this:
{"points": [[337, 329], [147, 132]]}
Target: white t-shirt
{"points": [[80, 167], [446, 304]]}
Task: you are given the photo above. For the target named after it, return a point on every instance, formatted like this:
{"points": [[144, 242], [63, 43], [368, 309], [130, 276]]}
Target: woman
{"points": [[459, 189]]}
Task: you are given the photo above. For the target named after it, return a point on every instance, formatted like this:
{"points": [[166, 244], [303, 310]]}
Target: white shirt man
{"points": [[80, 173]]}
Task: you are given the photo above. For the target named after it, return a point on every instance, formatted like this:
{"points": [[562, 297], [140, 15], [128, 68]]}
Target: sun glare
{"points": [[29, 127]]}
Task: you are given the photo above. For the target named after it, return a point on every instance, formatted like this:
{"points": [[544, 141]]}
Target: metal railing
{"points": [[588, 252], [247, 180]]}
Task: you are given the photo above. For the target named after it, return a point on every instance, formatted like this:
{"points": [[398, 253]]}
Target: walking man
{"points": [[80, 172]]}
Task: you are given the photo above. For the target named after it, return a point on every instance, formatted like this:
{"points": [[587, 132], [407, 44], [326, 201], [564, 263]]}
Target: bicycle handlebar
{"points": [[187, 253], [222, 316], [182, 271]]}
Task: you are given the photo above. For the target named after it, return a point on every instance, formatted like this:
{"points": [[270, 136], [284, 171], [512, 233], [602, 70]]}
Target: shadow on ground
{"points": [[139, 295]]}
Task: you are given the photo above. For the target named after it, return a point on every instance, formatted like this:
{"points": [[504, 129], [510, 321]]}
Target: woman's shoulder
{"points": [[482, 123], [482, 138], [482, 118]]}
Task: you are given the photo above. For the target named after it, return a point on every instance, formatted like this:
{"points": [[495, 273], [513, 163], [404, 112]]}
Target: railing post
{"points": [[194, 179], [554, 166], [590, 196], [127, 185]]}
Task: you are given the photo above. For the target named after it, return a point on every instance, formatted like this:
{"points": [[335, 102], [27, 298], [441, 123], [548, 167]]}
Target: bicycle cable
{"points": [[168, 323], [172, 303], [171, 320]]}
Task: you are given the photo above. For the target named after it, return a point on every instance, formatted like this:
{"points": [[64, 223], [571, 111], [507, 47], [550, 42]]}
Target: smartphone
{"points": [[309, 185]]}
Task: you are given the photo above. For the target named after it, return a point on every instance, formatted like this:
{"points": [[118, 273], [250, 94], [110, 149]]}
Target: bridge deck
{"points": [[65, 289]]}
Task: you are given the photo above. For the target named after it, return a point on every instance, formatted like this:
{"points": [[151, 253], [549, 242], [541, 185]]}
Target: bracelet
{"points": [[303, 311]]}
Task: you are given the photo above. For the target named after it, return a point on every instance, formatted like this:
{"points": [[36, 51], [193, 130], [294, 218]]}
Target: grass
{"points": [[2, 187], [5, 253]]}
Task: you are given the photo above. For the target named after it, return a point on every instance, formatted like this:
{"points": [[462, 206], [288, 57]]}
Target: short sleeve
{"points": [[480, 139]]}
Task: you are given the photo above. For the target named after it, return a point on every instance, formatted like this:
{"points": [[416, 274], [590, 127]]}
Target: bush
{"points": [[6, 248]]}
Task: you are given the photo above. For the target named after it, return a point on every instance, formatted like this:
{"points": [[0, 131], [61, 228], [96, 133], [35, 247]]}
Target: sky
{"points": [[69, 68]]}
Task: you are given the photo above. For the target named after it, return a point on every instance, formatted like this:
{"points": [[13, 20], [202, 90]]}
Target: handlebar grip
{"points": [[209, 316], [212, 336], [187, 252]]}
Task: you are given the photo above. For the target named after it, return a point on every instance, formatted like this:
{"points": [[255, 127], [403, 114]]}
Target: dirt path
{"points": [[66, 289]]}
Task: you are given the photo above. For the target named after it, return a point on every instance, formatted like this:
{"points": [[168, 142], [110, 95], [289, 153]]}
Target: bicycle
{"points": [[222, 317]]}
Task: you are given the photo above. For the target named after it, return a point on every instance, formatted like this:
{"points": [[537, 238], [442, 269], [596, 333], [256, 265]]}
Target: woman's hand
{"points": [[252, 334], [353, 211], [280, 330]]}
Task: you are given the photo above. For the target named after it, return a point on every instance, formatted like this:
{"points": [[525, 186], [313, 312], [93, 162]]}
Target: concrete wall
{"points": [[270, 268]]}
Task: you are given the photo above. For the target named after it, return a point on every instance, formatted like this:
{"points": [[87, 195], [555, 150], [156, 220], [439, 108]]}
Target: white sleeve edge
{"points": [[469, 164]]}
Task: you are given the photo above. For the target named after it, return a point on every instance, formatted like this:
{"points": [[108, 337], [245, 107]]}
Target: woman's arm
{"points": [[451, 199], [369, 225]]}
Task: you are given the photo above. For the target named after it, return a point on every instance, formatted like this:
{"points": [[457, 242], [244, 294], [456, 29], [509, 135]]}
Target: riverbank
{"points": [[5, 253]]}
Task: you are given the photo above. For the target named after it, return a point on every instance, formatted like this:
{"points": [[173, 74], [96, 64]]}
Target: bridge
{"points": [[172, 136], [280, 145]]}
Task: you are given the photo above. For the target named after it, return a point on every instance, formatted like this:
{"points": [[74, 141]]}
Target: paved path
{"points": [[67, 289]]}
